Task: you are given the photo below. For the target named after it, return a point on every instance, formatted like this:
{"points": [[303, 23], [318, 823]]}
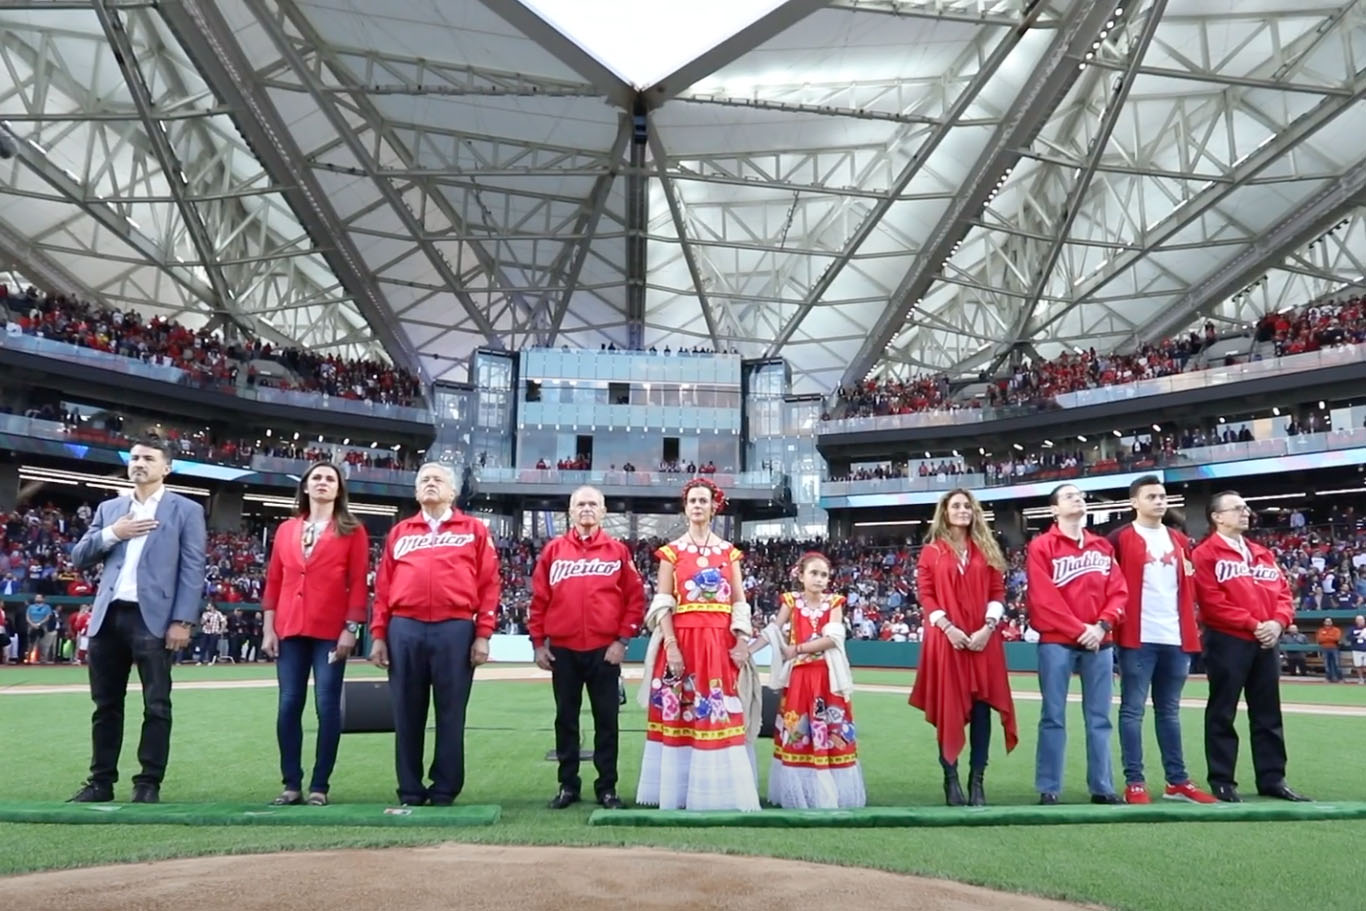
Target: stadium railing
{"points": [[127, 366], [1280, 447], [1180, 382]]}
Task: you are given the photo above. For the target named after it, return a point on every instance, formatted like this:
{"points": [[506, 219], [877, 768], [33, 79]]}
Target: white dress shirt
{"points": [[435, 524], [126, 586]]}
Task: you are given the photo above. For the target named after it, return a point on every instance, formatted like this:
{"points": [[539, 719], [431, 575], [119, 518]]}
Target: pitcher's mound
{"points": [[477, 877]]}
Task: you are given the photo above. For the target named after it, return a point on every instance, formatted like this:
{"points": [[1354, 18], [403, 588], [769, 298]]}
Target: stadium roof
{"points": [[858, 185]]}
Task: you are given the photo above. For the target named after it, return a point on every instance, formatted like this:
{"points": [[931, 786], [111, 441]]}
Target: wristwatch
{"points": [[1103, 624], [354, 628], [624, 640]]}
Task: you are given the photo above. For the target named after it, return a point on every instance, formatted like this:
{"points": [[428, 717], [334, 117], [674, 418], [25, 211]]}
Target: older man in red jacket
{"points": [[436, 604], [1245, 605], [1155, 638], [587, 601]]}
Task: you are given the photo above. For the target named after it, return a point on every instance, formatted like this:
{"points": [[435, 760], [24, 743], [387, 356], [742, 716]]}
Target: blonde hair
{"points": [[978, 531]]}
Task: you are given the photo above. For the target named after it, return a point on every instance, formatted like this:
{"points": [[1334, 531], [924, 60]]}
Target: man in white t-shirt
{"points": [[1155, 637]]}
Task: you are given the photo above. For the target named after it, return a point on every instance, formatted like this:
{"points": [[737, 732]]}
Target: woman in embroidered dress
{"points": [[815, 752], [960, 583], [699, 687]]}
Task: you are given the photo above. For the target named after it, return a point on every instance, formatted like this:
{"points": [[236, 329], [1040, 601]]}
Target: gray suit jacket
{"points": [[170, 570]]}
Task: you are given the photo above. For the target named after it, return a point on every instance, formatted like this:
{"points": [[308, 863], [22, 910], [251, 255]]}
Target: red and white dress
{"points": [[696, 753], [815, 748]]}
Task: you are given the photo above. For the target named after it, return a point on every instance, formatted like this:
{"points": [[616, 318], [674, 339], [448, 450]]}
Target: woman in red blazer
{"points": [[960, 584], [313, 609]]}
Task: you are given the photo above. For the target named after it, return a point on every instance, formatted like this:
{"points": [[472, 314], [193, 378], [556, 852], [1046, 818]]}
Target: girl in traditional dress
{"points": [[962, 675], [815, 751], [700, 689]]}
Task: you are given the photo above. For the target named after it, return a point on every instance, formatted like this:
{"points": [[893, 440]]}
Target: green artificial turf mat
{"points": [[939, 817], [237, 814]]}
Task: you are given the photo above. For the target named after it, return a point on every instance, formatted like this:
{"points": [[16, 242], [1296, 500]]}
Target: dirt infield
{"points": [[476, 877]]}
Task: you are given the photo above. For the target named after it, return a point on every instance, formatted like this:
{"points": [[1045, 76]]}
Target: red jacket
{"points": [[948, 680], [317, 596], [585, 594], [452, 575], [1071, 586], [1236, 595], [1132, 554]]}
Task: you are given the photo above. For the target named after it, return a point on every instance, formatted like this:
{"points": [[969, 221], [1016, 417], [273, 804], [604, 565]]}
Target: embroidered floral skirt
{"points": [[815, 748], [696, 756]]}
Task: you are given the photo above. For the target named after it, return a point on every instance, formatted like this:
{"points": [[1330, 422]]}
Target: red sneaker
{"points": [[1188, 792], [1136, 793]]}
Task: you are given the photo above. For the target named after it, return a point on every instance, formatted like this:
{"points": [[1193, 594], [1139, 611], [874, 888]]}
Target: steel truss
{"points": [[1042, 186]]}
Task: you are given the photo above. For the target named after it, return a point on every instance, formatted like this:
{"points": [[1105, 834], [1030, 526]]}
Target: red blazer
{"points": [[1132, 554], [315, 597], [949, 681]]}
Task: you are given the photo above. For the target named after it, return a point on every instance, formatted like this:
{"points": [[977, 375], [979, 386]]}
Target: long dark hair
{"points": [[342, 520]]}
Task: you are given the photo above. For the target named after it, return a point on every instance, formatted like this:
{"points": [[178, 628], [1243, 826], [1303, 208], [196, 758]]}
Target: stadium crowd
{"points": [[1308, 328], [202, 353], [1326, 564]]}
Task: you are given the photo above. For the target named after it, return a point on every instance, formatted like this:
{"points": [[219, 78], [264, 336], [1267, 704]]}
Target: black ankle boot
{"points": [[953, 790], [977, 795]]}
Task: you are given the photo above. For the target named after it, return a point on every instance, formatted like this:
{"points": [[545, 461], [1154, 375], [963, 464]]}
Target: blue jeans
{"points": [[1057, 663], [1332, 668], [1164, 668], [299, 655]]}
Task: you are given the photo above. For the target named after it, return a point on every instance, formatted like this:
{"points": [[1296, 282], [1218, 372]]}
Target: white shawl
{"points": [[836, 661]]}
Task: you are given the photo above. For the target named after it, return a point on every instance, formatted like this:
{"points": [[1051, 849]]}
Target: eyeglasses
{"points": [[1243, 508]]}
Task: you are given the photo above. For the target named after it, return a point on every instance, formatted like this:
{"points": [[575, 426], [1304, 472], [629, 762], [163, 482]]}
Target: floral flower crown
{"points": [[718, 499]]}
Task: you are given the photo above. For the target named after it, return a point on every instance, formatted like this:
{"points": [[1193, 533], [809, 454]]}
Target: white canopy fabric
{"points": [[859, 186]]}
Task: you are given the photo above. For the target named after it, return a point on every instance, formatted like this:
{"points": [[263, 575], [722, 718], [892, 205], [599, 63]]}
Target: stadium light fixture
{"points": [[1081, 438], [1018, 446], [1157, 428], [1273, 496], [1276, 411]]}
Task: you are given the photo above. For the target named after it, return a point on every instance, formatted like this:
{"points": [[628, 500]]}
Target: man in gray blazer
{"points": [[151, 545]]}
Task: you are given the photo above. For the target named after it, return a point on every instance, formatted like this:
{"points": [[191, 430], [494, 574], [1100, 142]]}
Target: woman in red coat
{"points": [[313, 610], [962, 674]]}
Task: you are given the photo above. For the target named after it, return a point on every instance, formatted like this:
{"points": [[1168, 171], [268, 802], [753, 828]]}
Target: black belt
{"points": [[117, 603]]}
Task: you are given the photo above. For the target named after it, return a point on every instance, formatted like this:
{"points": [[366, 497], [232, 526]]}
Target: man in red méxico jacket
{"points": [[436, 604], [587, 601], [1155, 640], [1075, 596], [1245, 605]]}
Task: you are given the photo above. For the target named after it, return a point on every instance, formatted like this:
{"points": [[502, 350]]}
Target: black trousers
{"points": [[1236, 667], [122, 642], [979, 738], [430, 662], [571, 672]]}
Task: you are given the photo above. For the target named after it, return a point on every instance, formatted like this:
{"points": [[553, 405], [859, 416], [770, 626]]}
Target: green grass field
{"points": [[223, 749]]}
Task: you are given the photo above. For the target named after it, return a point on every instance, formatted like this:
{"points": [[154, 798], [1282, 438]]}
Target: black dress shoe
{"points": [[562, 799], [440, 801], [413, 800], [1226, 793], [146, 793], [1106, 799], [1048, 800], [93, 792], [610, 801], [1283, 791]]}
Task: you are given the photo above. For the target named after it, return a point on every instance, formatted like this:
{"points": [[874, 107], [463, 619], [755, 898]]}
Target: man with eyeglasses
{"points": [[1076, 595], [1245, 605]]}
